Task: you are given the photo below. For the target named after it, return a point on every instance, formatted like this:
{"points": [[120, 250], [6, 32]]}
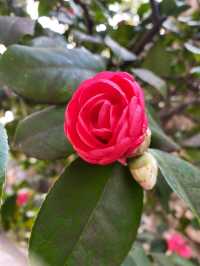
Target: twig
{"points": [[148, 36], [178, 109], [155, 12], [88, 19]]}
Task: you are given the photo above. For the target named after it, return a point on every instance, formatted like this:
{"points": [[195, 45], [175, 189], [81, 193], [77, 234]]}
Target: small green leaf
{"points": [[152, 79], [179, 261], [45, 6], [41, 135], [173, 7], [161, 259], [121, 52], [182, 177], [8, 212], [90, 217], [136, 257], [44, 41], [13, 28], [159, 138], [163, 192], [195, 70], [84, 38], [158, 59], [3, 156], [171, 24], [47, 75], [193, 49], [193, 141]]}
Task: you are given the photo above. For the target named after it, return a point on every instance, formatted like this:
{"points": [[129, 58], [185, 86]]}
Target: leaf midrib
{"points": [[98, 202], [60, 66]]}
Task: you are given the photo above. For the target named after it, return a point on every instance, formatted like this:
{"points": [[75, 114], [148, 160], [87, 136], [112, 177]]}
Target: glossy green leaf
{"points": [[3, 155], [8, 212], [193, 141], [163, 192], [121, 52], [12, 28], [4, 7], [192, 48], [41, 135], [122, 34], [45, 6], [84, 38], [161, 259], [195, 71], [171, 24], [152, 79], [90, 217], [180, 261], [173, 7], [47, 75], [158, 59], [143, 9], [53, 42], [159, 138], [136, 257], [182, 177]]}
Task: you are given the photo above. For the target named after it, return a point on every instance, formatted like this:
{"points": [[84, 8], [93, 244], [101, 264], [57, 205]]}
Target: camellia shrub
{"points": [[93, 96]]}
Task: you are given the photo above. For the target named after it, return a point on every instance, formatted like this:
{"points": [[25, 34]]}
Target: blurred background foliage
{"points": [[157, 41]]}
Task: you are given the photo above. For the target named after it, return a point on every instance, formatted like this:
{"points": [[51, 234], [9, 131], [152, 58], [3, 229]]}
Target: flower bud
{"points": [[144, 170], [145, 144]]}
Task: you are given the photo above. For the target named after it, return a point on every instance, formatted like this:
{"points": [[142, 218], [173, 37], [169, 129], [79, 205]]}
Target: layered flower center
{"points": [[106, 117]]}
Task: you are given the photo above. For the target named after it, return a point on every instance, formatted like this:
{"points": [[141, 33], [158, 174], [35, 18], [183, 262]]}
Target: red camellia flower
{"points": [[176, 243], [105, 120], [22, 197]]}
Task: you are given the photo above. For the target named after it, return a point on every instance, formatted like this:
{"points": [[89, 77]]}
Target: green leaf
{"points": [[193, 141], [182, 177], [195, 71], [162, 260], [8, 212], [173, 7], [143, 9], [53, 42], [159, 138], [179, 261], [163, 192], [171, 24], [3, 156], [47, 75], [45, 6], [41, 135], [123, 33], [90, 217], [82, 37], [4, 9], [158, 59], [136, 257], [13, 28], [152, 79], [121, 52], [173, 260], [193, 49]]}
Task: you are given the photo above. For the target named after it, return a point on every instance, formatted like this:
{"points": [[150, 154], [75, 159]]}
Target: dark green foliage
{"points": [[96, 214]]}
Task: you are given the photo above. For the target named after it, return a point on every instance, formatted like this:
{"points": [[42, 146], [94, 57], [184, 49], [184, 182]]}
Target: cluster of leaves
{"points": [[92, 213]]}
